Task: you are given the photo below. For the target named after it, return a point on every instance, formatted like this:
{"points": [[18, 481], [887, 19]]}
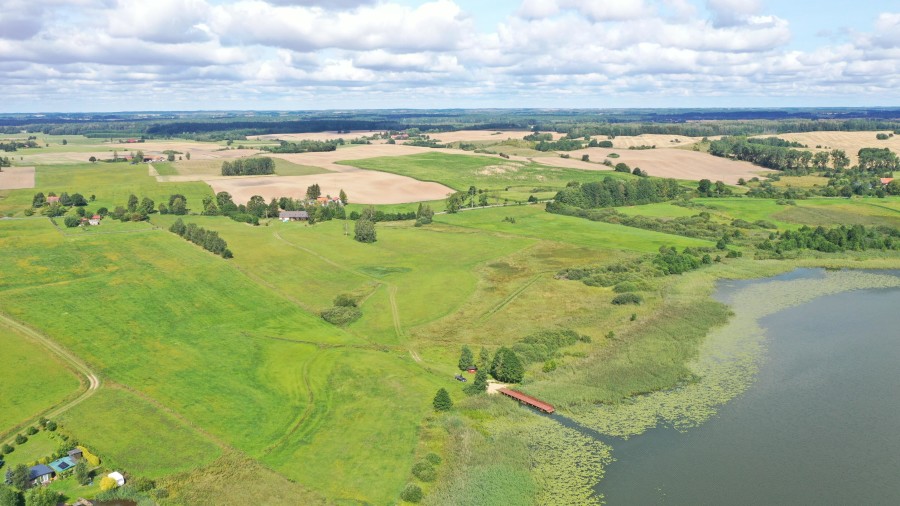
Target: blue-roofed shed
{"points": [[39, 474], [62, 465]]}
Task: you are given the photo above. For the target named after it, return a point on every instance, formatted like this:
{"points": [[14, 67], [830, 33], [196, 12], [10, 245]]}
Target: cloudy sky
{"points": [[122, 55]]}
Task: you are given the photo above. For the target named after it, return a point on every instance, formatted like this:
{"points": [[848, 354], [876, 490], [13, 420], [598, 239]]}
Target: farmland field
{"points": [[220, 378]]}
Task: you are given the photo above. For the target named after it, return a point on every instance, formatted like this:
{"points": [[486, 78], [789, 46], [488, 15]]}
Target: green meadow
{"points": [[461, 171], [29, 369]]}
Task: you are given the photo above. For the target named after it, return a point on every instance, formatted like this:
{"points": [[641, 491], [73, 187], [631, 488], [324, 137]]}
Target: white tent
{"points": [[116, 475]]}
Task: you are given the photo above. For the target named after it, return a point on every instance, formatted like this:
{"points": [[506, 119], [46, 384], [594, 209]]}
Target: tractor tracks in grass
{"points": [[511, 297], [73, 362], [304, 416]]}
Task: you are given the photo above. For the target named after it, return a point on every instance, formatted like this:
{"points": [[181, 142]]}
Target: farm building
{"points": [[94, 220], [293, 215], [527, 399], [39, 474], [52, 200], [886, 180]]}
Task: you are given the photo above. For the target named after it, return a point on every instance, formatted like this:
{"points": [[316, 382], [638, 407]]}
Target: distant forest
{"points": [[575, 123]]}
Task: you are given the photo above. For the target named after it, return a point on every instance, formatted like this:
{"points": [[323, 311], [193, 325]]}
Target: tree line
{"points": [[833, 240], [304, 146], [612, 192], [207, 239], [256, 166]]}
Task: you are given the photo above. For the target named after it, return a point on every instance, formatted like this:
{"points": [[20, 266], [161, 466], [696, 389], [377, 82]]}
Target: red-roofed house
{"points": [[886, 180], [95, 219], [52, 200]]}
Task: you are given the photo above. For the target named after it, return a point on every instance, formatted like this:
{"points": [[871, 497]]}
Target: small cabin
{"points": [[293, 215], [40, 474]]}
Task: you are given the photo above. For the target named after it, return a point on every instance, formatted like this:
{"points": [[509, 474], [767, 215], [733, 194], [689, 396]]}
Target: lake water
{"points": [[819, 425]]}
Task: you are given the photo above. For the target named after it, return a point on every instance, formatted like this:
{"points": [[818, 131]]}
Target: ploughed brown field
{"points": [[15, 178], [362, 187]]}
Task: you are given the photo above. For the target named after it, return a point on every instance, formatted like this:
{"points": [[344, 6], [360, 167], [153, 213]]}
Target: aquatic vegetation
{"points": [[728, 358]]}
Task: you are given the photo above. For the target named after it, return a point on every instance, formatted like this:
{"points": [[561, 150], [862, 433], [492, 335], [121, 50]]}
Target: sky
{"points": [[143, 55]]}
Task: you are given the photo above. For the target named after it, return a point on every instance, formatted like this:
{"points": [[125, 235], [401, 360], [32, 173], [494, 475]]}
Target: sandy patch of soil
{"points": [[16, 178], [362, 187], [493, 387]]}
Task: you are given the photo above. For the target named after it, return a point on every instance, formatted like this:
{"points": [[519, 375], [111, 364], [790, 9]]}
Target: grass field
{"points": [[533, 221], [38, 446], [461, 171], [20, 360]]}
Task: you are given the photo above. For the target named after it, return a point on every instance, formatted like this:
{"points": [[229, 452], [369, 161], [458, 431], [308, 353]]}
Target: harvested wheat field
{"points": [[362, 187], [315, 136], [16, 178], [484, 135], [677, 163], [658, 140], [850, 142]]}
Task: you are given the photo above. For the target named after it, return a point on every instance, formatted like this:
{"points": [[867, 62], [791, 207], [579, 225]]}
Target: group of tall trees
{"points": [[505, 367], [256, 166], [778, 154], [612, 192], [304, 146], [207, 239]]}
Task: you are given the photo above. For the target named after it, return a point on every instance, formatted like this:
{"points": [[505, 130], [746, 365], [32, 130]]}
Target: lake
{"points": [[817, 426]]}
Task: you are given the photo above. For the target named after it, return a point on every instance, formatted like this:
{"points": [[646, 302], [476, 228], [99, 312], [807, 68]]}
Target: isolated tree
{"points": [[139, 156], [92, 159], [412, 493], [466, 360], [442, 401], [171, 157], [72, 221], [82, 473], [343, 196], [64, 142], [187, 156], [364, 230]]}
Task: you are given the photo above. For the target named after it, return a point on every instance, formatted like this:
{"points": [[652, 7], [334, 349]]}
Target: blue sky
{"points": [[113, 55]]}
